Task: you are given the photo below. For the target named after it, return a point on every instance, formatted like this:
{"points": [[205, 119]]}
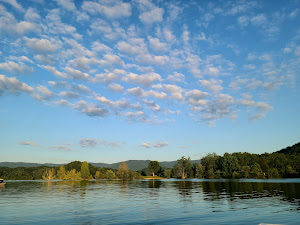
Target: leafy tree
{"points": [[198, 170], [98, 175], [210, 163], [110, 174], [85, 171], [183, 168], [230, 164], [73, 165], [167, 174], [73, 175], [49, 174], [61, 173], [123, 172], [154, 167]]}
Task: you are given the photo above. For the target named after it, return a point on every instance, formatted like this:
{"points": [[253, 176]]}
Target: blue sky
{"points": [[111, 80]]}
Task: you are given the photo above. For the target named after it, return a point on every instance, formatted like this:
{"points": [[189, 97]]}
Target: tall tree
{"points": [[61, 173], [154, 167], [123, 172], [183, 168], [49, 174], [85, 171]]}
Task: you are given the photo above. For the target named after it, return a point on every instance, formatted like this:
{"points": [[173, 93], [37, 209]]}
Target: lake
{"points": [[169, 201]]}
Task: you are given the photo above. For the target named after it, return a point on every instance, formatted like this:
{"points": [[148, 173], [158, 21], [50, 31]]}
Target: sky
{"points": [[112, 80]]}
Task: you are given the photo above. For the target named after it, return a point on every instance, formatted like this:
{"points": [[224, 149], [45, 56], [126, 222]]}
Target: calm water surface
{"points": [[171, 201]]}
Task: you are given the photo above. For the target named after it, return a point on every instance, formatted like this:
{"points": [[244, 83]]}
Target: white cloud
{"points": [[13, 86], [157, 45], [15, 4], [262, 106], [32, 15], [155, 15], [40, 45], [42, 93], [54, 71], [76, 74], [83, 62], [16, 68], [67, 4], [109, 76], [139, 92], [99, 47], [152, 105], [213, 85], [174, 90], [176, 77], [145, 79], [124, 103], [90, 109], [116, 87], [68, 94], [112, 11]]}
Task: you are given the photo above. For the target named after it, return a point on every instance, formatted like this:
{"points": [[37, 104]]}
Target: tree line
{"points": [[212, 166], [75, 170]]}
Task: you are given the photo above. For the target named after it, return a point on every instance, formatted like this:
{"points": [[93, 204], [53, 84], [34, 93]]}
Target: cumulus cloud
{"points": [[40, 45], [42, 93], [174, 90], [88, 143], [213, 85], [124, 103], [13, 86], [116, 87], [16, 68], [155, 15], [54, 71], [139, 92], [90, 109], [144, 80], [68, 94], [67, 4], [112, 10], [176, 77], [157, 45], [15, 4], [109, 76], [76, 74]]}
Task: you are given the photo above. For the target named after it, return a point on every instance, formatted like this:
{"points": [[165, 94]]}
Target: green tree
{"points": [[110, 174], [123, 172], [183, 168], [73, 175], [98, 175], [230, 164], [198, 170], [85, 171], [154, 167]]}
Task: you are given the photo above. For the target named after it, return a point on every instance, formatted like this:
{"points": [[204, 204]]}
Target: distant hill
{"points": [[23, 164], [132, 164], [293, 150]]}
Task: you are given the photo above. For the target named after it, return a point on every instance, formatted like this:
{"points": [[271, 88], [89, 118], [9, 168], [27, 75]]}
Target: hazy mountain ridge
{"points": [[132, 164], [137, 164]]}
